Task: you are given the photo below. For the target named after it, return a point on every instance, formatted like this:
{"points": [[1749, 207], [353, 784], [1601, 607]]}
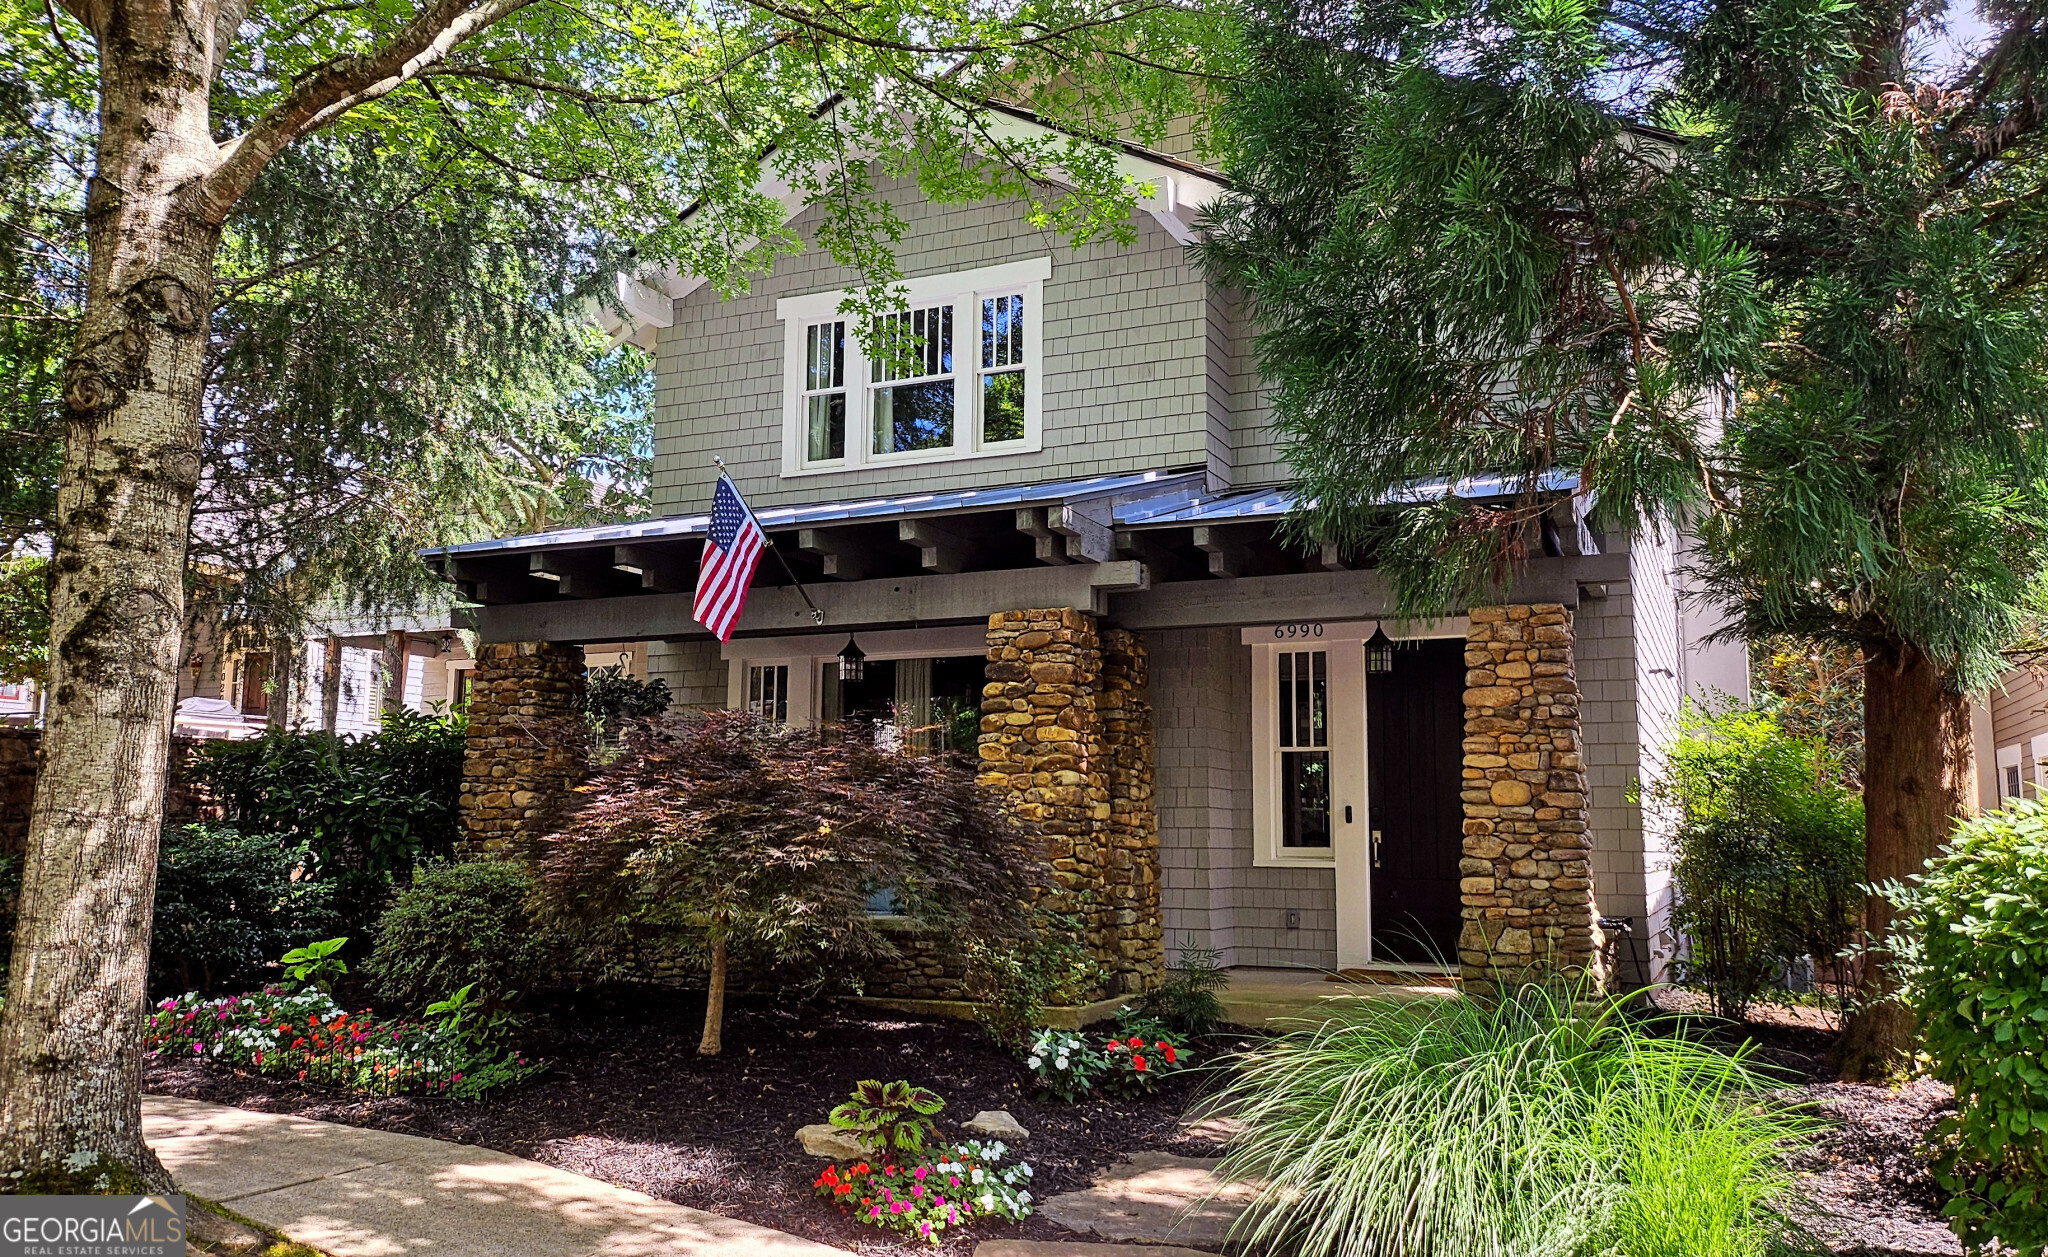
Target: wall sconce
{"points": [[1379, 652], [447, 643], [196, 662], [853, 661]]}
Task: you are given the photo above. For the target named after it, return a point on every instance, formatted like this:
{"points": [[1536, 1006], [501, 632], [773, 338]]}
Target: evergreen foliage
{"points": [[1767, 855], [1974, 931], [1761, 266], [462, 924], [227, 905], [372, 805]]}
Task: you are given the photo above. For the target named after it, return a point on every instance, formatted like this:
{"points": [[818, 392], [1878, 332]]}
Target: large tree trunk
{"points": [[1919, 776], [70, 1039], [713, 1041]]}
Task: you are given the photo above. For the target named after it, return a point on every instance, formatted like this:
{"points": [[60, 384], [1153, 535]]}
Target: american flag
{"points": [[731, 553]]}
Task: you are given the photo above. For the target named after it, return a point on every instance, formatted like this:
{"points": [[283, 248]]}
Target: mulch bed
{"points": [[1866, 1185], [627, 1099]]}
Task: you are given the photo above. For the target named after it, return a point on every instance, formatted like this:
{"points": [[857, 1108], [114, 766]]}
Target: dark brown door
{"points": [[1415, 732], [255, 675]]}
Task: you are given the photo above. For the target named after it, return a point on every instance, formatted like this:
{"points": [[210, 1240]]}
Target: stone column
{"points": [[522, 754], [1527, 887], [1066, 731]]}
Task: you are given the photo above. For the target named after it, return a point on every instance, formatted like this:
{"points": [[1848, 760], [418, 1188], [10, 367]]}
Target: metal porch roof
{"points": [[678, 527], [1268, 502]]}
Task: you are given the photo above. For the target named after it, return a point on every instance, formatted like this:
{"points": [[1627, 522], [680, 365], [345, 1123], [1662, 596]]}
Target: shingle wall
{"points": [[696, 675], [1628, 673], [1201, 698], [1123, 332]]}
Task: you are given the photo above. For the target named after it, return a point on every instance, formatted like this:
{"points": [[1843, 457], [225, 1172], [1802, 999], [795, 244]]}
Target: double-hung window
{"points": [[768, 691], [952, 374]]}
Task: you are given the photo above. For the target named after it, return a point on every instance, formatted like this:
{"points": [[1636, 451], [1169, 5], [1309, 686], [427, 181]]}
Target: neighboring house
{"points": [[1064, 513], [2011, 728]]}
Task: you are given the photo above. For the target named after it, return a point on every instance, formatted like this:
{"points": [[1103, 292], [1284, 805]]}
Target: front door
{"points": [[1415, 722]]}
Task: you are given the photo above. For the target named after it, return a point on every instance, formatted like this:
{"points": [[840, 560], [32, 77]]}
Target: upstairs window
{"points": [[913, 402], [825, 392], [949, 376]]}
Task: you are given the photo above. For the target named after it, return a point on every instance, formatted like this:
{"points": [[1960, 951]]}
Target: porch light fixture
{"points": [[447, 643], [196, 662], [853, 661], [1379, 651]]}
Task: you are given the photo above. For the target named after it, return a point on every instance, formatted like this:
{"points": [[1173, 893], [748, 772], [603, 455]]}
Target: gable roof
{"points": [[1180, 189]]}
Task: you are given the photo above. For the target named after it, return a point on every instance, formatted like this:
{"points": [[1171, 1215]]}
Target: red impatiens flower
{"points": [[1138, 1063], [1137, 1042], [1169, 1052]]}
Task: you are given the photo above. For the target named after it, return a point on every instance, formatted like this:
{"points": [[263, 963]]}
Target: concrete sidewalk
{"points": [[371, 1193]]}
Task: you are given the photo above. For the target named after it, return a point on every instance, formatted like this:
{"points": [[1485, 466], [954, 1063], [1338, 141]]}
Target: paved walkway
{"points": [[371, 1193]]}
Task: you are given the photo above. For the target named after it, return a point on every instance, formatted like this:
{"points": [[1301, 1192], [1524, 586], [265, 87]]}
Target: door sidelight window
{"points": [[1303, 691]]}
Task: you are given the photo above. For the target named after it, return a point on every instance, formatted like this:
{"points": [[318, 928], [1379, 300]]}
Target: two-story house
{"points": [[1061, 511]]}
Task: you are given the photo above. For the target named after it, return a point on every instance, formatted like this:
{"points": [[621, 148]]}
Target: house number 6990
{"points": [[1295, 632]]}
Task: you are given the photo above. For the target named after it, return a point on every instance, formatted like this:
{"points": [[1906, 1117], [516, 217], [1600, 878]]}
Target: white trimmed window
{"points": [[768, 691], [2009, 781], [954, 374]]}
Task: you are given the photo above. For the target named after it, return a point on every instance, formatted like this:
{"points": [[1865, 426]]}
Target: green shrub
{"points": [[457, 925], [1533, 1125], [373, 805], [1973, 944], [1186, 1002], [1014, 980], [227, 903], [610, 698], [1767, 855]]}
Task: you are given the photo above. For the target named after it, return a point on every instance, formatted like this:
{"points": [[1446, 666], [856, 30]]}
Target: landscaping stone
{"points": [[828, 1141], [1525, 879], [996, 1124], [1154, 1198]]}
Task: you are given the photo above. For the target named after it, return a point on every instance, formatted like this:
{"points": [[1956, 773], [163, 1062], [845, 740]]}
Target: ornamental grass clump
{"points": [[1525, 1127]]}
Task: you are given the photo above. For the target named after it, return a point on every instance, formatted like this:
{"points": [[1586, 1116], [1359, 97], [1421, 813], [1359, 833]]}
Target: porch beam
{"points": [[577, 574], [1227, 557], [839, 561], [663, 573], [1332, 559], [780, 610], [1089, 536], [939, 549], [1353, 595], [1048, 546]]}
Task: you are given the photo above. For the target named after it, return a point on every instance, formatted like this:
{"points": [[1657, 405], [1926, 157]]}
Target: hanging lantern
{"points": [[1379, 652], [853, 661]]}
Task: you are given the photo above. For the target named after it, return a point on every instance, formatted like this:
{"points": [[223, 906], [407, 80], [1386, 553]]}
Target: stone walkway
{"points": [[1152, 1198], [369, 1193]]}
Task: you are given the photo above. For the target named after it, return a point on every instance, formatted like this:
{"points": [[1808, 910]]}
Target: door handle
{"points": [[1347, 813], [1376, 836]]}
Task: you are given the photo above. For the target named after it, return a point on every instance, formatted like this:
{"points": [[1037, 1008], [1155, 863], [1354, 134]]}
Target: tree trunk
{"points": [[714, 1004], [330, 685], [70, 1038], [1919, 776], [396, 663]]}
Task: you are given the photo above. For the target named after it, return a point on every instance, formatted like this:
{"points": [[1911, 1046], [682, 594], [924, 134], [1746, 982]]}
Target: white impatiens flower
{"points": [[1035, 1061], [988, 1203], [1061, 1062]]}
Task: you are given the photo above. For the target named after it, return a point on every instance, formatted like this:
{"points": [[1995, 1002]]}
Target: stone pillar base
{"points": [[1066, 732], [522, 754], [1527, 888]]}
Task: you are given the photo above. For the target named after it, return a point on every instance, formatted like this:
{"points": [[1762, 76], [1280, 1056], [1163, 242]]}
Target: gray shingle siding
{"points": [[1126, 346], [1201, 697]]}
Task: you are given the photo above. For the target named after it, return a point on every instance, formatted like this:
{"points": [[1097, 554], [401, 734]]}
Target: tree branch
{"points": [[337, 86]]}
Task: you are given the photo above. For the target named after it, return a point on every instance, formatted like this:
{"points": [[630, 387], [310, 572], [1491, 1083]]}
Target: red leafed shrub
{"points": [[719, 829]]}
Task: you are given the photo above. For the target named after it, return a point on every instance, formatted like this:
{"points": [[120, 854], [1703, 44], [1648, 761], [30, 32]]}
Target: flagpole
{"points": [[817, 614]]}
